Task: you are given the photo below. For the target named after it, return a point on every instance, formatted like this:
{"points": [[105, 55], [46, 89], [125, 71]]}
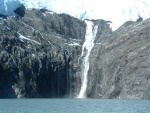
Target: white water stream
{"points": [[90, 35]]}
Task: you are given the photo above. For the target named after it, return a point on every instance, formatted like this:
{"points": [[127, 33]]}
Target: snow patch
{"points": [[25, 38], [74, 44], [50, 12]]}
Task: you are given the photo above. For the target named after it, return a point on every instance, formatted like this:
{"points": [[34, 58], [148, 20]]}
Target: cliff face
{"points": [[38, 54], [40, 57], [120, 63]]}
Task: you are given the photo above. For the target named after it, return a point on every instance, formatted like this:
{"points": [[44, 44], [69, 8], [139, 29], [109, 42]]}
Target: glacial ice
{"points": [[117, 11]]}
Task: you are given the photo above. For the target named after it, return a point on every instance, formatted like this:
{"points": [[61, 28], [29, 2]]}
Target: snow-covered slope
{"points": [[117, 11]]}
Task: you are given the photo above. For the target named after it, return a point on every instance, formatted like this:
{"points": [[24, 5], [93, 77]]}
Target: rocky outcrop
{"points": [[38, 54], [120, 63]]}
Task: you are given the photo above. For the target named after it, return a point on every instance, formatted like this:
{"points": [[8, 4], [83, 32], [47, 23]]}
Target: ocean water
{"points": [[73, 106]]}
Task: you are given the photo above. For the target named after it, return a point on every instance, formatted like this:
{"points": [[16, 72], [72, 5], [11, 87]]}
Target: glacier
{"points": [[117, 11]]}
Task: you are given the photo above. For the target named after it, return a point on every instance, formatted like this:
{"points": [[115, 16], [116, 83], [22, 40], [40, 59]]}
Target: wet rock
{"points": [[119, 64]]}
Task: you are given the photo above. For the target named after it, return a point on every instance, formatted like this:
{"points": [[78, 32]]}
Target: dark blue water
{"points": [[73, 106]]}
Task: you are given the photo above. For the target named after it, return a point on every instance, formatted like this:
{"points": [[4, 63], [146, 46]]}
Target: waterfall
{"points": [[86, 49]]}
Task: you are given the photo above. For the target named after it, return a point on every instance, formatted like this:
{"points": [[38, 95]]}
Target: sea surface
{"points": [[73, 106]]}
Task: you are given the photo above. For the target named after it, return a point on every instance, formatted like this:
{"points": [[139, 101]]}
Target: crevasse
{"points": [[90, 35]]}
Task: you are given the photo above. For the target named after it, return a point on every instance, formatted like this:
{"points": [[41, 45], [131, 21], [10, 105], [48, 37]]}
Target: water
{"points": [[87, 45], [73, 106]]}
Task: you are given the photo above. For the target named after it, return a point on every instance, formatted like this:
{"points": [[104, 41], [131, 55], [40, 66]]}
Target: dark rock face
{"points": [[120, 63], [20, 11], [38, 54]]}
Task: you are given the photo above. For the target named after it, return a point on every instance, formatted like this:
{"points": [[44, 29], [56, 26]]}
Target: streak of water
{"points": [[86, 49]]}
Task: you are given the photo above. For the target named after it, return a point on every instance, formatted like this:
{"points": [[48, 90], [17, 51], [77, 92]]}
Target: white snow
{"points": [[33, 55], [25, 38], [50, 12], [86, 49], [73, 44], [117, 11]]}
